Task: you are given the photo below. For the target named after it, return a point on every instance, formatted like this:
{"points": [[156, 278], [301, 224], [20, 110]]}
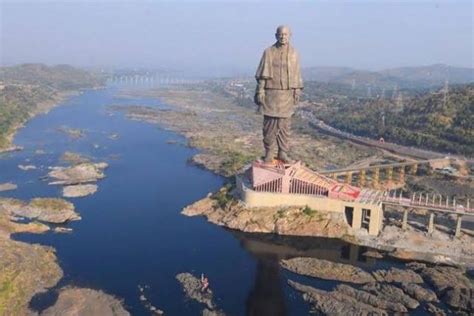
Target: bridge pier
{"points": [[401, 174], [405, 219], [414, 169], [389, 173], [457, 232], [349, 177], [362, 178], [375, 177], [431, 223]]}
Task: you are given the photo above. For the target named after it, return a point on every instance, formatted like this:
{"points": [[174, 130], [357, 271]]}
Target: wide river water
{"points": [[132, 233]]}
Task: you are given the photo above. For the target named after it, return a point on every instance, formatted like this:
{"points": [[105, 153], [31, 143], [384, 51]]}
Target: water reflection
{"points": [[267, 296], [286, 247]]}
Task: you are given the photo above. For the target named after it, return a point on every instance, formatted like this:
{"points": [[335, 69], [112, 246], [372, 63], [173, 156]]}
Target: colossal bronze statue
{"points": [[279, 86]]}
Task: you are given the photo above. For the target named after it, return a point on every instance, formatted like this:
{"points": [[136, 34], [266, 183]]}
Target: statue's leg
{"points": [[270, 130], [283, 137]]}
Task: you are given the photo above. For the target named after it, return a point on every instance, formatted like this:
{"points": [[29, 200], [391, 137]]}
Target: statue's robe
{"points": [[279, 72], [278, 75]]}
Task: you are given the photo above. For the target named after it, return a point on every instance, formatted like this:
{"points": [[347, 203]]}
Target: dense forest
{"points": [[26, 89], [432, 120]]}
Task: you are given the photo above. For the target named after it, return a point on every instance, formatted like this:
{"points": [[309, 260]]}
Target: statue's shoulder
{"points": [[270, 49], [292, 49]]}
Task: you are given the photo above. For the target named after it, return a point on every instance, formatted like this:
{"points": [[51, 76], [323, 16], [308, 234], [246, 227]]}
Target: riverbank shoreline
{"points": [[42, 108]]}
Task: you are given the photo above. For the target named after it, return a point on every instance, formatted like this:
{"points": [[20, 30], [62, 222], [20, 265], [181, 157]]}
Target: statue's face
{"points": [[283, 36]]}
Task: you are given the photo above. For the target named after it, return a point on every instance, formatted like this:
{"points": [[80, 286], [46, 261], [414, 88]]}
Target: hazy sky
{"points": [[230, 36]]}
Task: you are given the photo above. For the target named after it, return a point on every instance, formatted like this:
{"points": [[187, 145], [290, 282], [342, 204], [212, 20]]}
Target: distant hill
{"points": [[61, 77], [404, 77], [28, 89], [429, 120]]}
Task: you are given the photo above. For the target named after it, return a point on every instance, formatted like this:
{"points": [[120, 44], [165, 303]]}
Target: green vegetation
{"points": [[223, 197], [281, 213], [309, 211], [425, 120], [29, 89], [235, 161]]}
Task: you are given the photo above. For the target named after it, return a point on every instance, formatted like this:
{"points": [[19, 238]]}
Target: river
{"points": [[132, 232]]}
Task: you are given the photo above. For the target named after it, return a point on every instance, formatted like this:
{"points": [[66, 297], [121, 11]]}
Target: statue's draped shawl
{"points": [[265, 69]]}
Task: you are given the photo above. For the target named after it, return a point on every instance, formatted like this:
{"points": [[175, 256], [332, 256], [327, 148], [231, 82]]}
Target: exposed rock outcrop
{"points": [[79, 190], [80, 301], [7, 186], [371, 299], [397, 275], [26, 167], [327, 270], [44, 209], [226, 211], [391, 293], [451, 285], [192, 287], [418, 292], [77, 174], [335, 302], [74, 158]]}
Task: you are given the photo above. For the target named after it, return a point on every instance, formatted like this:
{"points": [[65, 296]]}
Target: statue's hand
{"points": [[296, 95], [259, 98]]}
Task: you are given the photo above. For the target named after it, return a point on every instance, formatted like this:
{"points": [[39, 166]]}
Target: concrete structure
{"points": [[391, 170], [277, 184]]}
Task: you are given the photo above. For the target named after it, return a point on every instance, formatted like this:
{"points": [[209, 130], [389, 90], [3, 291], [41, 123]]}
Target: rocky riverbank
{"points": [[41, 108], [223, 209], [418, 287], [82, 301], [30, 269]]}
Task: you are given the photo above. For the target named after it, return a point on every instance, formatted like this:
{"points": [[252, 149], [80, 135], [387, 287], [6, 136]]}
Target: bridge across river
{"points": [[433, 203], [389, 172]]}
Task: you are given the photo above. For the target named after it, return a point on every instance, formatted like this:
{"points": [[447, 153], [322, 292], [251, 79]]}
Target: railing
{"points": [[429, 201]]}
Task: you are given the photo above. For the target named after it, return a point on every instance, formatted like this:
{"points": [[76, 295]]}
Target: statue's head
{"points": [[283, 34]]}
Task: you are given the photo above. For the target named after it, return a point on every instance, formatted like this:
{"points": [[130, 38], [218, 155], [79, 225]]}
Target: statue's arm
{"points": [[297, 95], [259, 98]]}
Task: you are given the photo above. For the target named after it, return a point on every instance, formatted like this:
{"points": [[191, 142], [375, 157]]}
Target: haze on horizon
{"points": [[225, 37]]}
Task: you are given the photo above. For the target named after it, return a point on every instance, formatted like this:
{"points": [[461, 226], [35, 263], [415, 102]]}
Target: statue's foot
{"points": [[283, 157], [268, 159]]}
